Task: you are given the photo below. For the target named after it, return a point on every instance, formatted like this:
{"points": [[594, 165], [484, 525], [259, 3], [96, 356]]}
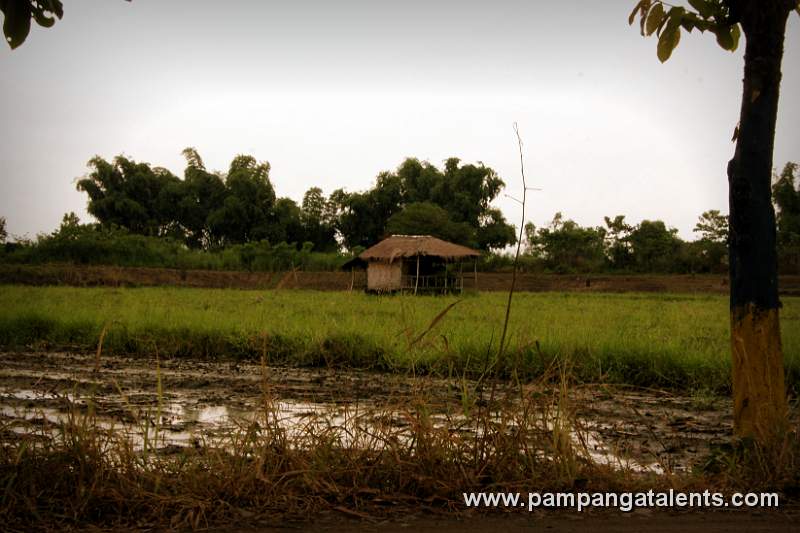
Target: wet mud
{"points": [[190, 402]]}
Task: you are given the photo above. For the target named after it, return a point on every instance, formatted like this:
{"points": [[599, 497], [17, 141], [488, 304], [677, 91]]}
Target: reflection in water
{"points": [[180, 422]]}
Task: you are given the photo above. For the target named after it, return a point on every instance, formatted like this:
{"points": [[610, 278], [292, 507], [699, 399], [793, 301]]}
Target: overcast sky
{"points": [[333, 92]]}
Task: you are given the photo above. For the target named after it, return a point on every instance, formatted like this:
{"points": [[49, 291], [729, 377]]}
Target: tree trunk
{"points": [[758, 376]]}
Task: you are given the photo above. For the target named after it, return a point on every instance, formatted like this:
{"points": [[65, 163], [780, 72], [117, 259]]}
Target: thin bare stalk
{"points": [[501, 352]]}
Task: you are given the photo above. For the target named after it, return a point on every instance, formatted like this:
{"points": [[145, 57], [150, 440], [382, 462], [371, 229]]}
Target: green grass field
{"points": [[666, 340]]}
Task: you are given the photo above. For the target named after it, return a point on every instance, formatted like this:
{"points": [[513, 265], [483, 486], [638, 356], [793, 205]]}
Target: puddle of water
{"points": [[602, 454], [180, 424], [183, 425], [43, 413], [29, 394], [207, 400], [23, 394]]}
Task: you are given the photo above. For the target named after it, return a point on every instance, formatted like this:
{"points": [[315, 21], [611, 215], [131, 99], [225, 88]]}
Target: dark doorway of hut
{"points": [[433, 275]]}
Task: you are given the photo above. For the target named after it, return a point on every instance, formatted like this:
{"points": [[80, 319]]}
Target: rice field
{"points": [[657, 340], [185, 408]]}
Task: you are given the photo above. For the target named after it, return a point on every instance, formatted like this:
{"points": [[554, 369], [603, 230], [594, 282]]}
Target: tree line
{"points": [[786, 197], [650, 246], [212, 210], [149, 217]]}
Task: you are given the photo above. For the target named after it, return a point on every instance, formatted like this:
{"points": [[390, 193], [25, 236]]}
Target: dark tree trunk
{"points": [[758, 375]]}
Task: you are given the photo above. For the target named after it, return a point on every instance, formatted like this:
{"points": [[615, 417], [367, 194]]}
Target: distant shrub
{"points": [[91, 244]]}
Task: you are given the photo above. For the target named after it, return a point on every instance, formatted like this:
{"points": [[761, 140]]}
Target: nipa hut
{"points": [[416, 263]]}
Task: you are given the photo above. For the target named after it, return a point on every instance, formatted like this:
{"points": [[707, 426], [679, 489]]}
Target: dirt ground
{"points": [[629, 427], [87, 276], [785, 520], [634, 428], [635, 522]]}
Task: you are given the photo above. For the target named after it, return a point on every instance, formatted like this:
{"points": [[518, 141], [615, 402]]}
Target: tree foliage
{"points": [[617, 242], [565, 246], [786, 196], [17, 16], [713, 227], [200, 194], [239, 208], [712, 247], [318, 221], [204, 209], [463, 192], [648, 247], [130, 195], [361, 217], [247, 210], [494, 232], [653, 246], [19, 13], [426, 218], [666, 21], [212, 209], [95, 244]]}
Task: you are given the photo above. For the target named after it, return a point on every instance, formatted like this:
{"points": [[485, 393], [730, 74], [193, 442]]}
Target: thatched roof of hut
{"points": [[400, 246]]}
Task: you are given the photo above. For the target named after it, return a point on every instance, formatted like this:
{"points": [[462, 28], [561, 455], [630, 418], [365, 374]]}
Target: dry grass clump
{"points": [[363, 462], [747, 465]]}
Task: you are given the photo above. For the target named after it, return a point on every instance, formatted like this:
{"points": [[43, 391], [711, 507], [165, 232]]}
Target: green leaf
{"points": [[704, 25], [736, 34], [17, 23], [668, 41], [53, 6], [724, 37], [42, 19], [674, 17], [661, 26], [688, 23], [703, 8], [642, 6], [632, 16], [645, 9], [654, 18], [728, 36]]}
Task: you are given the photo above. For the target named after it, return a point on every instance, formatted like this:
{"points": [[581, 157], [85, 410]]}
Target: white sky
{"points": [[333, 92]]}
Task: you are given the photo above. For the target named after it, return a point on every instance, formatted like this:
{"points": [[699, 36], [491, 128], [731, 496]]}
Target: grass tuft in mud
{"points": [[366, 463], [80, 472]]}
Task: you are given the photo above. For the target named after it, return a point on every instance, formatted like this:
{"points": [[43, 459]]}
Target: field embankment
{"points": [[112, 276], [657, 340]]}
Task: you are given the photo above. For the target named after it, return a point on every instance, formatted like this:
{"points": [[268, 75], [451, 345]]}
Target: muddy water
{"points": [[199, 401]]}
